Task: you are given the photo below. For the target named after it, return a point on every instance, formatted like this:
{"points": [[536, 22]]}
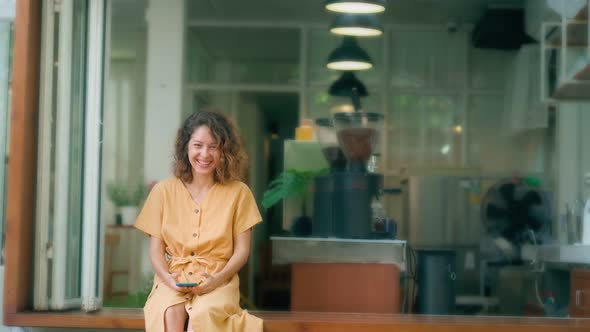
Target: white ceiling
{"points": [[282, 45], [249, 44], [398, 11]]}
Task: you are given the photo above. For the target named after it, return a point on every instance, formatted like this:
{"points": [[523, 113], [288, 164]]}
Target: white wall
{"points": [[164, 85], [249, 119]]}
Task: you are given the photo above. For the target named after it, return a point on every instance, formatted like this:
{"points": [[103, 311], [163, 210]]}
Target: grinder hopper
{"points": [[358, 134]]}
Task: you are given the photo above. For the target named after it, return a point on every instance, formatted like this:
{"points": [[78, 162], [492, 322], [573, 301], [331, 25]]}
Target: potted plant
{"points": [[292, 183], [126, 199]]}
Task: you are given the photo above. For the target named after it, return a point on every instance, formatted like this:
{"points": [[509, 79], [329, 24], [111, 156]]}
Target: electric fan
{"points": [[513, 214]]}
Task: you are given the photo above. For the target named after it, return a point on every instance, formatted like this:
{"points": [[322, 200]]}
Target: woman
{"points": [[199, 223]]}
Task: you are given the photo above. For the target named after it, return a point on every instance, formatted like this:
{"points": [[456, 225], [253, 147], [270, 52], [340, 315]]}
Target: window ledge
{"points": [[132, 319]]}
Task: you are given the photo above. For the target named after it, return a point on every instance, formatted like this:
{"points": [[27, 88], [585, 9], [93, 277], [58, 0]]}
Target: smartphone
{"points": [[187, 284]]}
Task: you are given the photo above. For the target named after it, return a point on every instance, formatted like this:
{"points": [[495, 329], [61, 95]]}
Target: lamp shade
{"points": [[349, 56], [344, 86], [356, 6], [360, 25]]}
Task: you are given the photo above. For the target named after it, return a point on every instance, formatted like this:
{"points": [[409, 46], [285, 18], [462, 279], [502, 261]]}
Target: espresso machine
{"points": [[342, 199]]}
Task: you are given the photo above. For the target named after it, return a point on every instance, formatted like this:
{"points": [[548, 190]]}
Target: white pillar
{"points": [[164, 90], [164, 85]]}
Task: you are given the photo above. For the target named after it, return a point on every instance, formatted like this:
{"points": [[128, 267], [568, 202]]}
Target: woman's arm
{"points": [[158, 259], [234, 264]]}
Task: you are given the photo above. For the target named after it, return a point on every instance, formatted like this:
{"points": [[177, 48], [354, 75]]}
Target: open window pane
{"points": [[76, 153], [61, 187]]}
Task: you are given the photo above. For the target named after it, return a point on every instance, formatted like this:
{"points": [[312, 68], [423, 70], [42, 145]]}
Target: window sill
{"points": [[132, 319]]}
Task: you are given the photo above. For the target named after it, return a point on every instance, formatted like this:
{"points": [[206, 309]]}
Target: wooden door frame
{"points": [[22, 163]]}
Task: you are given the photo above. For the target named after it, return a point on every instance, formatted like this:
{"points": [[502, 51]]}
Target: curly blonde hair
{"points": [[233, 161]]}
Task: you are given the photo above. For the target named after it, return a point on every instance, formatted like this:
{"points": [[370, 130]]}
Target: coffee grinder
{"points": [[354, 189], [342, 199]]}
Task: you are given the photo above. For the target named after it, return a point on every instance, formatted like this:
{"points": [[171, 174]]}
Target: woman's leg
{"points": [[175, 318], [190, 325]]}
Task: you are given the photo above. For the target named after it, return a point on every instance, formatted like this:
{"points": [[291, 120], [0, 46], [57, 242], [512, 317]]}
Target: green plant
{"points": [[133, 300], [289, 183], [126, 195]]}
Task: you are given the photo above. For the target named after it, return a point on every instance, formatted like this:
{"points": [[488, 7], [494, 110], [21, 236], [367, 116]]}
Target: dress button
{"points": [[194, 234], [190, 273], [196, 210], [192, 253], [190, 308]]}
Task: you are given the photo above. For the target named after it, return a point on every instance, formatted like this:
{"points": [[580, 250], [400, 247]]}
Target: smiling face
{"points": [[203, 152]]}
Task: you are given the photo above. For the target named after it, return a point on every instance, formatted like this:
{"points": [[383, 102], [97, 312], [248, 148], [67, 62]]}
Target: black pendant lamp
{"points": [[349, 86], [349, 56], [360, 25], [344, 85], [356, 6]]}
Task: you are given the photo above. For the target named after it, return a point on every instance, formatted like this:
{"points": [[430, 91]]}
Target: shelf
{"points": [[572, 254], [573, 90], [577, 31], [577, 36], [573, 83], [584, 74]]}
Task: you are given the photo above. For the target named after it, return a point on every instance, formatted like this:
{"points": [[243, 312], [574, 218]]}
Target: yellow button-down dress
{"points": [[199, 237]]}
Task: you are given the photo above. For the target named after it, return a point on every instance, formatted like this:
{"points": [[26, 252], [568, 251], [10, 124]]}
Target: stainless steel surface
{"points": [[574, 254], [286, 250], [441, 211]]}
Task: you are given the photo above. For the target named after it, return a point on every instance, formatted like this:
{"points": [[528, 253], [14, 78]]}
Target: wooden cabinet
{"points": [[345, 287], [580, 293]]}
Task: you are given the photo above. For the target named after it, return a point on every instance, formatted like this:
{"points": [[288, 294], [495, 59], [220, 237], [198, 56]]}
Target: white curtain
{"points": [[523, 108]]}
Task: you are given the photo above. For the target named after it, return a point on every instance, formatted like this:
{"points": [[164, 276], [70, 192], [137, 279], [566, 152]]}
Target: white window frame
{"points": [[7, 14], [51, 247], [92, 232]]}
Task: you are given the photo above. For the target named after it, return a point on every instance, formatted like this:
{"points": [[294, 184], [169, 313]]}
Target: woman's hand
{"points": [[210, 283], [171, 279]]}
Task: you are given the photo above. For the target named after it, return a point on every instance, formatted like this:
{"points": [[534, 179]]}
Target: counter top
{"points": [[287, 250], [576, 254]]}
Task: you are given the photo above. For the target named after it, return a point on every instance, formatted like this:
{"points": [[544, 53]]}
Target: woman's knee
{"points": [[209, 309], [176, 315]]}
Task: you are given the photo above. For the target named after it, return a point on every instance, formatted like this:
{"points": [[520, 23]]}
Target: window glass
{"points": [[435, 123], [123, 183], [421, 130], [76, 153], [427, 59], [488, 69], [225, 55]]}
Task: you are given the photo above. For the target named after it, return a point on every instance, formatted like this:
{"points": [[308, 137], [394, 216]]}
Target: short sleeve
{"points": [[246, 215], [149, 220]]}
